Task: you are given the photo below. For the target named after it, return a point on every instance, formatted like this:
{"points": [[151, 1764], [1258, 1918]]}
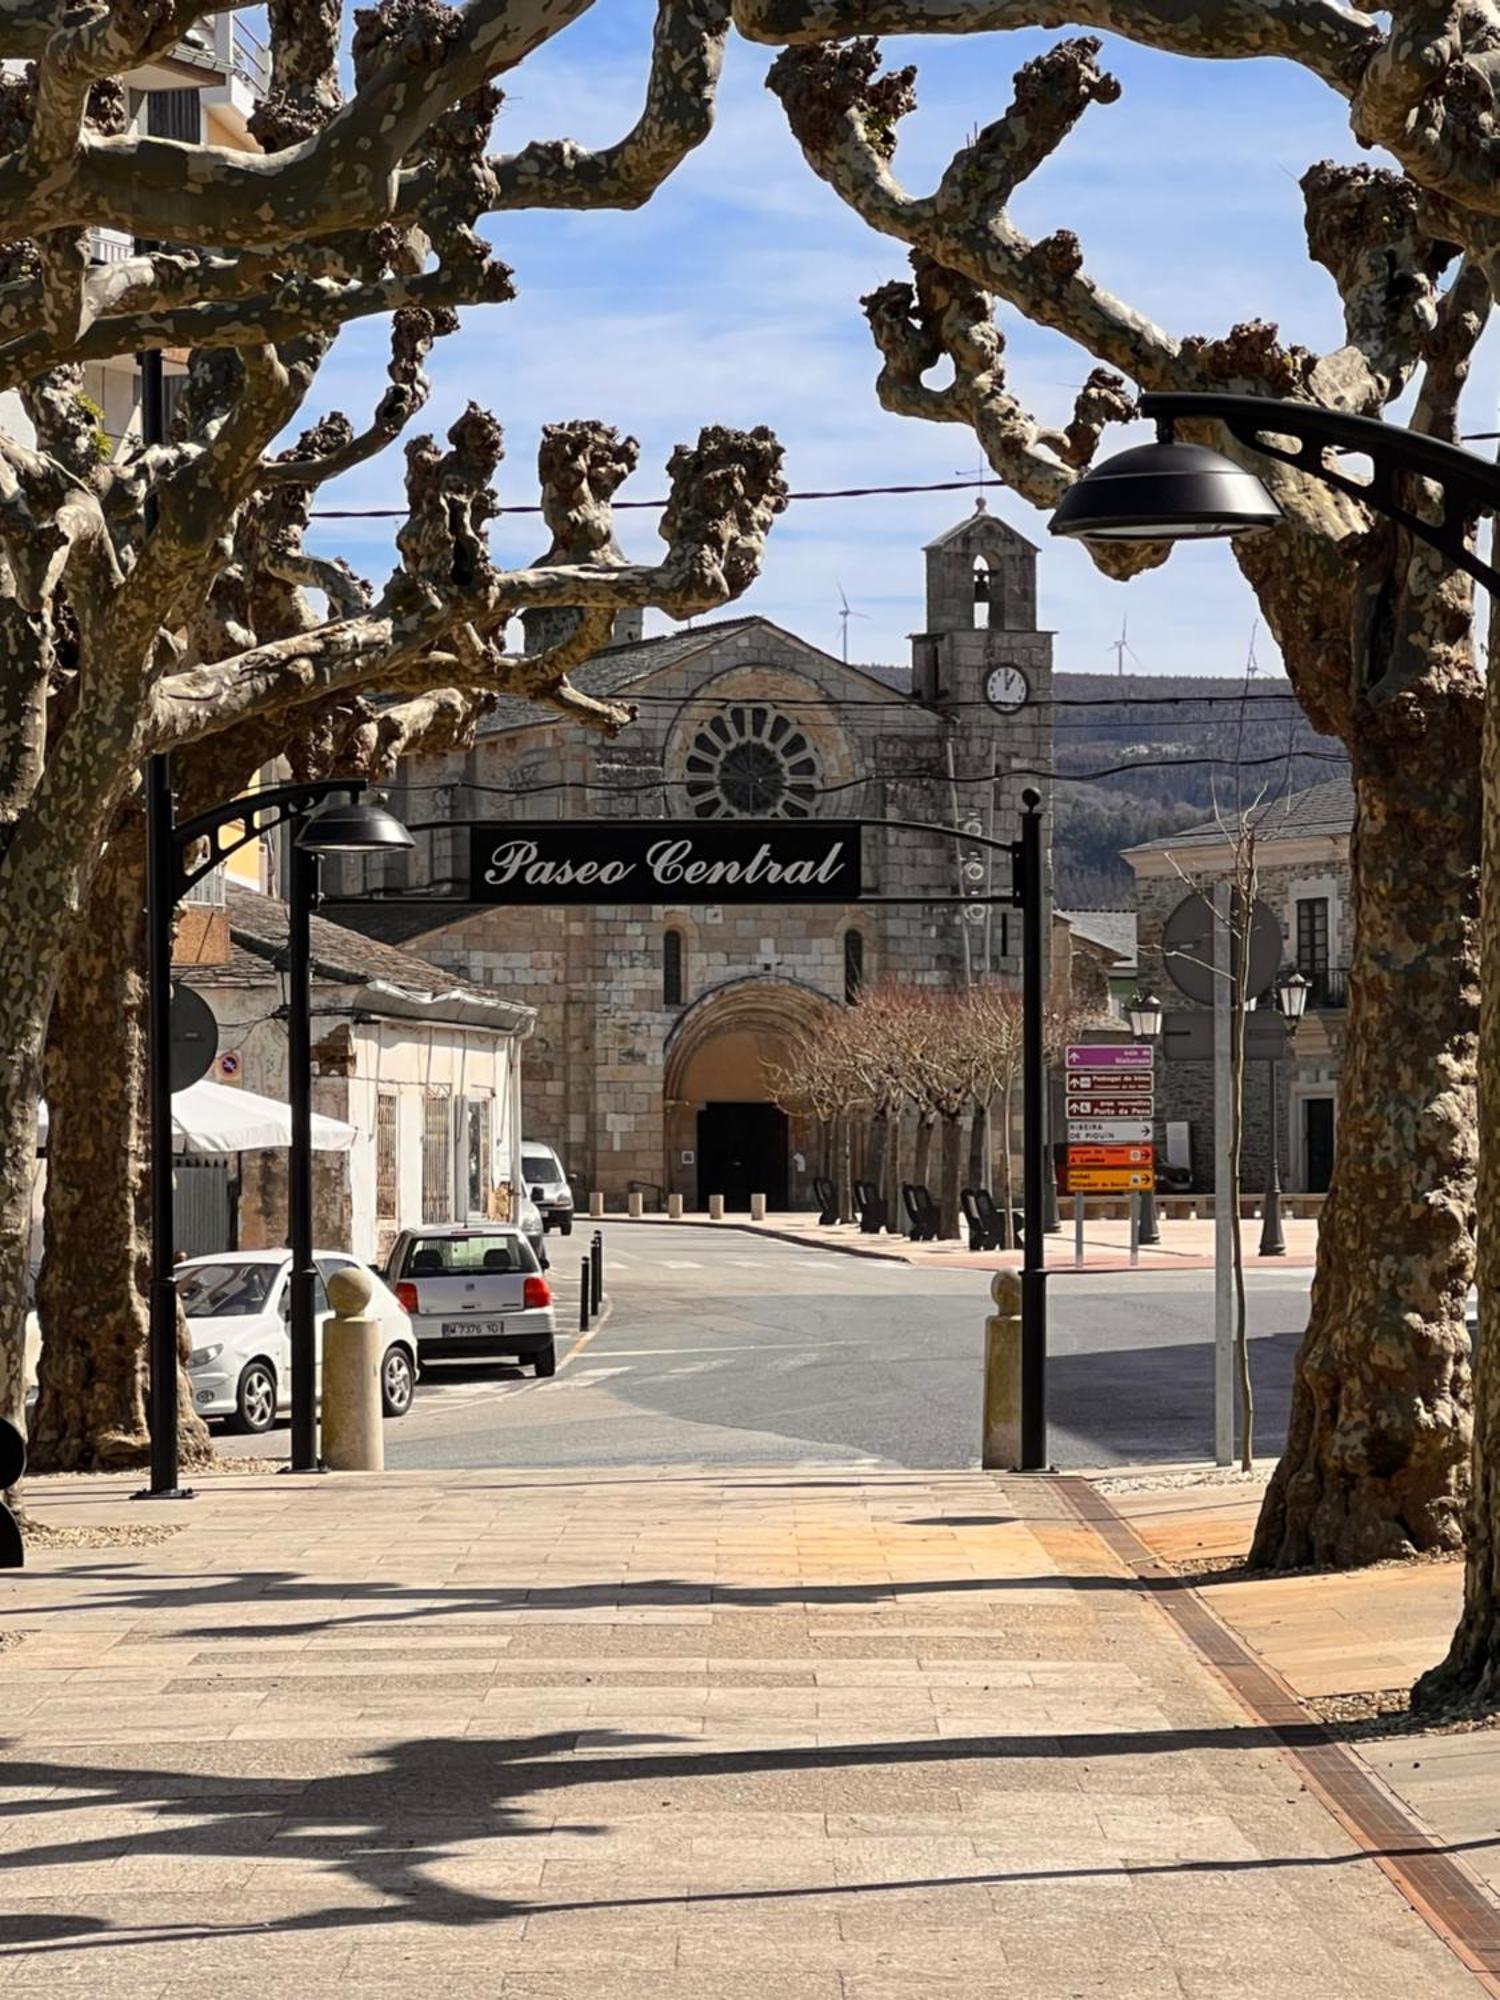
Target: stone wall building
{"points": [[1303, 876], [656, 1024]]}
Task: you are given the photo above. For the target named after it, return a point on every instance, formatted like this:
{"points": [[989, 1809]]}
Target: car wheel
{"points": [[545, 1361], [397, 1382], [255, 1399], [565, 1224]]}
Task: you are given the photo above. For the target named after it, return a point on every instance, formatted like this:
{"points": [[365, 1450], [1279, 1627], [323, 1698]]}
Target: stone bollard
{"points": [[1001, 1447], [637, 1205], [757, 1208], [596, 1206], [716, 1208], [674, 1208], [353, 1349]]}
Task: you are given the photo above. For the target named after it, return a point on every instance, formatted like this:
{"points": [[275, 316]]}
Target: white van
{"points": [[547, 1185]]}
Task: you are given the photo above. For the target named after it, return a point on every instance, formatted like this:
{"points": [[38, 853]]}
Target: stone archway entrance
{"points": [[724, 1135]]}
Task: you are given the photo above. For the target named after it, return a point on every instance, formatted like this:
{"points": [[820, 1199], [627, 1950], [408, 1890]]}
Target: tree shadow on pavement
{"points": [[389, 1828]]}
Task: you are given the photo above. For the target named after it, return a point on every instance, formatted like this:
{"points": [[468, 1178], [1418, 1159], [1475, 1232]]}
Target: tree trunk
{"points": [[979, 1146], [893, 1210], [948, 1204], [846, 1166], [880, 1147], [922, 1151], [1471, 1671], [1007, 1167], [1377, 1449], [91, 1297]]}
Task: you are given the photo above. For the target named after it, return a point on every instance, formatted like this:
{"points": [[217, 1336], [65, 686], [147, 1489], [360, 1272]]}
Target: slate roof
{"points": [[1114, 930], [1326, 809], [258, 945], [613, 670]]}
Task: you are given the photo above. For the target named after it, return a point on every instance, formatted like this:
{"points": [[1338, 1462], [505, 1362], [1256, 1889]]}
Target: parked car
{"points": [[475, 1291], [547, 1185], [238, 1309]]}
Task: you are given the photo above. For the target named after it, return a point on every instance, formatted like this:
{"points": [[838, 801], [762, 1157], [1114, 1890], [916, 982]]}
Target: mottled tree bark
{"points": [[1377, 1450], [90, 1414], [1471, 1672], [949, 1164]]}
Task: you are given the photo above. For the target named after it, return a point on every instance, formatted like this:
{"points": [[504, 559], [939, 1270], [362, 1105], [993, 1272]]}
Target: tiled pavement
{"points": [[858, 1736], [1360, 1632]]}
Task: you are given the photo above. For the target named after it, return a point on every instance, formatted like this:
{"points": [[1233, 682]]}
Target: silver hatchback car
{"points": [[474, 1291]]}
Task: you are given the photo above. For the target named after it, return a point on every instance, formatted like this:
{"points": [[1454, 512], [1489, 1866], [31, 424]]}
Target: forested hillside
{"points": [[1163, 728]]}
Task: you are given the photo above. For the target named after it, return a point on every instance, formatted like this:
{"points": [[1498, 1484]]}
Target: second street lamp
{"points": [[1144, 1015], [339, 826], [1291, 999]]}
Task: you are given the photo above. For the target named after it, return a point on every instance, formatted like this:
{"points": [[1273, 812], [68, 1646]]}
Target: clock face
{"points": [[1006, 689]]}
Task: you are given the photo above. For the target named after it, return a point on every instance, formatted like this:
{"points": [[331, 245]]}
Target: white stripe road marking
{"points": [[679, 1264]]}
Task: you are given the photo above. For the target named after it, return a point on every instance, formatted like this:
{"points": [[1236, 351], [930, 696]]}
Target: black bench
{"points": [[987, 1223], [871, 1205], [826, 1194], [923, 1215]]}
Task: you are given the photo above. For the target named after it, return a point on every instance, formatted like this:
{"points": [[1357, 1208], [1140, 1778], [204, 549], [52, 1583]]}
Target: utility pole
{"points": [[1225, 1221]]}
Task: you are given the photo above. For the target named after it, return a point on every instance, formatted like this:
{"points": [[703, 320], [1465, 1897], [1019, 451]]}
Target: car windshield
{"points": [[540, 1167], [464, 1256], [213, 1291]]}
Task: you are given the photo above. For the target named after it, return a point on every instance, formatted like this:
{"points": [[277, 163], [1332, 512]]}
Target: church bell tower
{"points": [[984, 660]]}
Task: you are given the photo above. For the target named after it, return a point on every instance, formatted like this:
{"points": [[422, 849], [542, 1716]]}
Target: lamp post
{"points": [[1291, 998], [1144, 1015], [209, 839], [339, 826]]}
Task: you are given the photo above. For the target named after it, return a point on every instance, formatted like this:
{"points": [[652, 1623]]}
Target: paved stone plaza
{"points": [[846, 1734]]}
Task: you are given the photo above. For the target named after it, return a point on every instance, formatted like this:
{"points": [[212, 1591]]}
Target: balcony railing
{"points": [[1329, 986]]}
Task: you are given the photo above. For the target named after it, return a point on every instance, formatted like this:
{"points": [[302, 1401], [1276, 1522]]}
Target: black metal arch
{"points": [[254, 813]]}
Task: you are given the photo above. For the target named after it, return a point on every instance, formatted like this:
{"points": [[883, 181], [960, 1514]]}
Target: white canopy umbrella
{"points": [[217, 1118]]}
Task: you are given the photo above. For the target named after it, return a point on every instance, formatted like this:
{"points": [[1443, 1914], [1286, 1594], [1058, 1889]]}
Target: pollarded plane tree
{"points": [[1375, 630], [128, 626]]}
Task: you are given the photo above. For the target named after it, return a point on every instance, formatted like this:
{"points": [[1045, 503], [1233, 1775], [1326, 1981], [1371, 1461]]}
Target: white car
{"points": [[238, 1308], [474, 1290], [547, 1186]]}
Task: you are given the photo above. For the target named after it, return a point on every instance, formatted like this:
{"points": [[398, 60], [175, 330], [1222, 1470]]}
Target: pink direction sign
{"points": [[1107, 1107], [1109, 1055], [1120, 1082]]}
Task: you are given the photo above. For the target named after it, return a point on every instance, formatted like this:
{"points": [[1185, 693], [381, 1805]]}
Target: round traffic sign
{"points": [[195, 1037], [1187, 948]]}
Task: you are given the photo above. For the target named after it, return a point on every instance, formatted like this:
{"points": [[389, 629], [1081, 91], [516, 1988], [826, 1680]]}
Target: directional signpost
{"points": [[1109, 1106]]}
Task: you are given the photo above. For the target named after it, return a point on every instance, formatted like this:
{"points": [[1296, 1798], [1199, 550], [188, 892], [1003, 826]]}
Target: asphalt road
{"points": [[727, 1348], [730, 1349]]}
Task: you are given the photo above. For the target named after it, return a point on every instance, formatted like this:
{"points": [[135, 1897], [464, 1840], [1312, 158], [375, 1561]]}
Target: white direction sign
{"points": [[1108, 1131]]}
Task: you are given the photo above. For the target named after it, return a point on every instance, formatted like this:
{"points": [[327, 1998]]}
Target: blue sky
{"points": [[733, 297]]}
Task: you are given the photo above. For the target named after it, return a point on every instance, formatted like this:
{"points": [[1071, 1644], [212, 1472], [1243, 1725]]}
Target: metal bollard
{"points": [[12, 1466], [353, 1355], [1078, 1231], [596, 1266], [585, 1272], [1000, 1447]]}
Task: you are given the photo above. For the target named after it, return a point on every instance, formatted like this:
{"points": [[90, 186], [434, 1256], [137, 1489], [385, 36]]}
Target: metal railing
{"points": [[252, 59], [207, 889], [108, 246], [1329, 986]]}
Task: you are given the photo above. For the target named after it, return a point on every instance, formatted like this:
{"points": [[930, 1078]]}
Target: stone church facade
{"points": [[648, 1067]]}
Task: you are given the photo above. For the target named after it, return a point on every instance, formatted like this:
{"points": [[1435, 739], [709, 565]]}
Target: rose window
{"points": [[750, 762]]}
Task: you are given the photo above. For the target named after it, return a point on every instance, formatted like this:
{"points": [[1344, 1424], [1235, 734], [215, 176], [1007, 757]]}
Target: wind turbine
{"points": [[1120, 647], [845, 614]]}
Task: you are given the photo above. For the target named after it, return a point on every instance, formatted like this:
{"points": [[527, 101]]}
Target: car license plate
{"points": [[459, 1329]]}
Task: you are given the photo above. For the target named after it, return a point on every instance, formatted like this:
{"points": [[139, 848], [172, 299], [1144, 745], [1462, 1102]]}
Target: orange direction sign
{"points": [[1109, 1156], [1108, 1180]]}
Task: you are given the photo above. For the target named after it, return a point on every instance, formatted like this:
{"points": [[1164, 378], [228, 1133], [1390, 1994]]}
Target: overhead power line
{"points": [[830, 493]]}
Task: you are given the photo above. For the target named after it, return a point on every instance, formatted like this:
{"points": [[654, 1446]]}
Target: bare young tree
{"points": [[1375, 629], [355, 207]]}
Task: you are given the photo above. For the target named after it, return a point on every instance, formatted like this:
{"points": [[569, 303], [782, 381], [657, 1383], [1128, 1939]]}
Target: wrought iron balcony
{"points": [[1328, 984]]}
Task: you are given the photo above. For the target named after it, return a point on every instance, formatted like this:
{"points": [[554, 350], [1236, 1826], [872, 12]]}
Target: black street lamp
{"points": [[1291, 998], [177, 856], [1144, 1015], [1172, 491]]}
